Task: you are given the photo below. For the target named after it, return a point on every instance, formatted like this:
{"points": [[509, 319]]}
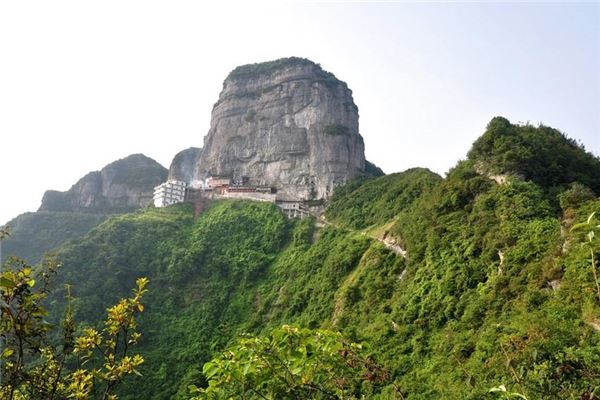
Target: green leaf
{"points": [[7, 352], [7, 283], [210, 370], [590, 217], [579, 226], [247, 368]]}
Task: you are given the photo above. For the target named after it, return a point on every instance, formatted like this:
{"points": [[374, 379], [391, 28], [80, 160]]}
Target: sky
{"points": [[85, 83]]}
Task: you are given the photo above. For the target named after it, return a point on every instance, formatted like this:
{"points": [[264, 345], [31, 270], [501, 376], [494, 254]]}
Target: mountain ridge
{"points": [[121, 186]]}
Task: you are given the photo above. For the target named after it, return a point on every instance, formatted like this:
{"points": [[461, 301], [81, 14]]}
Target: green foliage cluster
{"points": [[67, 202], [202, 273], [541, 154], [136, 171], [576, 195], [366, 202], [34, 234], [372, 169], [292, 363], [306, 276], [489, 296], [246, 71], [33, 367]]}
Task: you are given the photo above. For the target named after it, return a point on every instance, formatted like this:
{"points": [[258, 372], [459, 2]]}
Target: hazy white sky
{"points": [[84, 83]]}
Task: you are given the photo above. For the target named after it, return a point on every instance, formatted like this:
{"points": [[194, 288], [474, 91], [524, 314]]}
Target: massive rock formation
{"points": [[183, 165], [287, 124], [121, 186]]}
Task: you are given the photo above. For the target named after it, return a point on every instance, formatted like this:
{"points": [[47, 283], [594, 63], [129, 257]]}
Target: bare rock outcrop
{"points": [[121, 186], [183, 164], [287, 124]]}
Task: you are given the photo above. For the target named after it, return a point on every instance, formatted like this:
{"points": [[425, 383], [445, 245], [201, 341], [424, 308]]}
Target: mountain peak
{"points": [[287, 124], [123, 185], [541, 154]]}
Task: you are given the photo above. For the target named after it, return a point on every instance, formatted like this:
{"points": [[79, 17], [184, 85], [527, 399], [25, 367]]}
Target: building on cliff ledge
{"points": [[169, 192], [213, 182], [219, 187]]}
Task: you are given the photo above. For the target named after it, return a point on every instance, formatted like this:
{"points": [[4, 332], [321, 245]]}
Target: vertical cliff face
{"points": [[183, 165], [288, 124], [120, 186]]}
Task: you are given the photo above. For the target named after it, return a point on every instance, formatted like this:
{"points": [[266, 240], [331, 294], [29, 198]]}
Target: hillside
{"points": [[120, 187], [34, 234], [541, 154], [494, 289]]}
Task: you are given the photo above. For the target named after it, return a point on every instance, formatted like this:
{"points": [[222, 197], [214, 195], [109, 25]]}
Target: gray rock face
{"points": [[287, 124], [121, 186], [183, 164]]}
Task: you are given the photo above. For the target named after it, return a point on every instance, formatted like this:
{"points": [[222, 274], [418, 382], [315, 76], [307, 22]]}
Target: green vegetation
{"points": [[202, 274], [33, 368], [34, 234], [292, 363], [245, 71], [138, 173], [372, 169], [591, 226], [366, 202], [497, 295], [452, 307], [541, 154]]}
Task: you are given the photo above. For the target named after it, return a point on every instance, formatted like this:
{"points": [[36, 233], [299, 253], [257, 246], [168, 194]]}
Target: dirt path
{"points": [[389, 242]]}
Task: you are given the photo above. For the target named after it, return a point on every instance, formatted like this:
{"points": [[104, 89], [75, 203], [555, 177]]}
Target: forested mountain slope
{"points": [[495, 288], [34, 234]]}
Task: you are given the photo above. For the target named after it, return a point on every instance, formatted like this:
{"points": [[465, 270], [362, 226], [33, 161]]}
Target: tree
{"points": [[292, 363], [33, 367]]}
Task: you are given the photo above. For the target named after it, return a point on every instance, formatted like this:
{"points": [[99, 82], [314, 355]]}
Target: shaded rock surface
{"points": [[183, 164], [121, 186], [285, 123], [372, 169]]}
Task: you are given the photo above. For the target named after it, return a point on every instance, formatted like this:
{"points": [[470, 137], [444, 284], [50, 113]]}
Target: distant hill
{"points": [[121, 186]]}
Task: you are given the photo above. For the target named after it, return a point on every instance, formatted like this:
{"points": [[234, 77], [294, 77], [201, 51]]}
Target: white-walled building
{"points": [[168, 193]]}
